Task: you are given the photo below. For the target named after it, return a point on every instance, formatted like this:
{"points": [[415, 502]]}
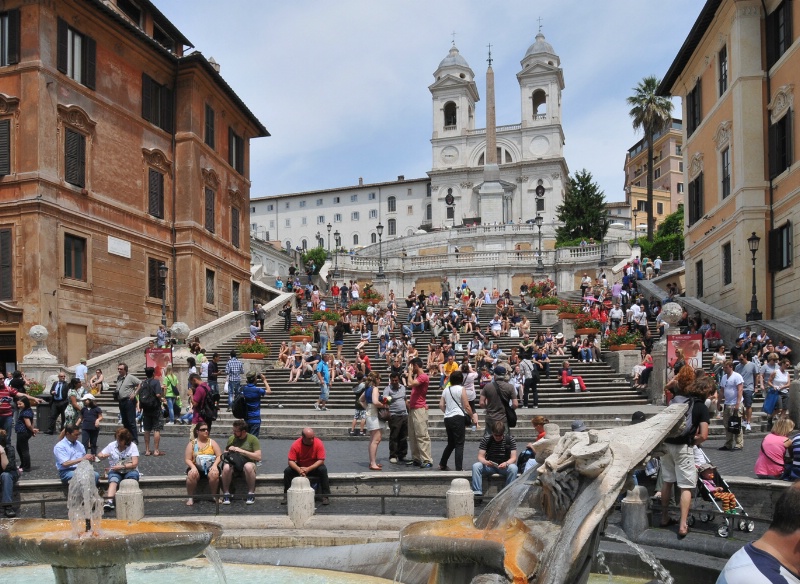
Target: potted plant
{"points": [[359, 308], [586, 325], [568, 311], [34, 388], [253, 349], [370, 294], [329, 316], [301, 333], [623, 339], [547, 303]]}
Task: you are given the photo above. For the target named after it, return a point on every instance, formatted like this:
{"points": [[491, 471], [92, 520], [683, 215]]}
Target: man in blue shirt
{"points": [[69, 452], [252, 397], [323, 379]]}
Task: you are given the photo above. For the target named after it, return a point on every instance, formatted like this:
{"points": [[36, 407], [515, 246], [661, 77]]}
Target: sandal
{"points": [[159, 453], [148, 453], [376, 467]]}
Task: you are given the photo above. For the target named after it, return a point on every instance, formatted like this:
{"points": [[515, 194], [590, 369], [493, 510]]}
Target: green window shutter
{"points": [[13, 36], [89, 62], [5, 147], [61, 52], [6, 274]]}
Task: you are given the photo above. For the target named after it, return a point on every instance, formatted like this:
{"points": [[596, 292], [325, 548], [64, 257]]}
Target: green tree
{"points": [[583, 212], [318, 254], [653, 114], [668, 241]]}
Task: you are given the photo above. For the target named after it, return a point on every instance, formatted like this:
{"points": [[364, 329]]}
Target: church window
{"points": [[429, 212], [355, 239], [451, 212], [539, 205], [373, 238], [450, 117], [391, 202], [539, 100], [392, 226]]}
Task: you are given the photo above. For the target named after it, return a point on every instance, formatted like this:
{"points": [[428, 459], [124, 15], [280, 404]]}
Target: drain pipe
{"points": [[771, 187], [173, 232]]}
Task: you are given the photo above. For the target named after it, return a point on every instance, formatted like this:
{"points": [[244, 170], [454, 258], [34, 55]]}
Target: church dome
{"points": [[540, 46], [453, 58]]}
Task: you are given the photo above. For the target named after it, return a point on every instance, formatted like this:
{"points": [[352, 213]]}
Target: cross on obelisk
{"points": [[540, 23], [454, 38], [489, 60]]}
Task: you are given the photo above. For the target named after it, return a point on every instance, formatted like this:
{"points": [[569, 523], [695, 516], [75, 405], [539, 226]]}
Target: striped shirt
{"points": [[234, 369], [498, 452]]}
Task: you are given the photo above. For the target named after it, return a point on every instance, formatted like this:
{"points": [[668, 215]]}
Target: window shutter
{"points": [[210, 210], [772, 136], [787, 137], [209, 137], [90, 61], [235, 227], [166, 109], [71, 157], [147, 96], [13, 36], [240, 154], [6, 282], [775, 250], [156, 193], [61, 53], [152, 278], [5, 147], [231, 147], [81, 160]]}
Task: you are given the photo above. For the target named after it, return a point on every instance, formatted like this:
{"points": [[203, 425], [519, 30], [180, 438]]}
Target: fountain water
{"points": [[659, 571]]}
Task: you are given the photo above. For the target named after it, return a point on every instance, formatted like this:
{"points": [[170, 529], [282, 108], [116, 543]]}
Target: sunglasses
{"points": [[202, 429]]}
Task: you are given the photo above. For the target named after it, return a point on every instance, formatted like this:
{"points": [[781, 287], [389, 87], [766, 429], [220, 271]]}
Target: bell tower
{"points": [[454, 96]]}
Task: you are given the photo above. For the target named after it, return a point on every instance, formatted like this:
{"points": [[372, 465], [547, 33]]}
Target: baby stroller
{"points": [[715, 496]]}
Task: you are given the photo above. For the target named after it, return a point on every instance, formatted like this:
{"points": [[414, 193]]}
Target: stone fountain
{"points": [[89, 550], [544, 527]]}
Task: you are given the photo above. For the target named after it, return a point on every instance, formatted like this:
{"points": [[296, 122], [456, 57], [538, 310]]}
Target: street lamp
{"points": [[635, 228], [539, 263], [755, 313], [337, 240], [329, 239], [380, 274], [162, 276]]}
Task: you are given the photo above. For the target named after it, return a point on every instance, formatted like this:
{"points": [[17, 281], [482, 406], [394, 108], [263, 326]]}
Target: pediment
{"points": [[450, 81]]}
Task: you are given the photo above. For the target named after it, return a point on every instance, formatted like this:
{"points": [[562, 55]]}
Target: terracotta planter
{"points": [[626, 347], [568, 315], [548, 307], [300, 338], [374, 301], [586, 331], [358, 312], [252, 355]]}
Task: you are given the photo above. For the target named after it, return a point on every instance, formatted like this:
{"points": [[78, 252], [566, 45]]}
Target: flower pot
{"points": [[548, 307], [252, 355], [626, 347], [300, 338], [586, 331], [374, 301], [568, 315], [358, 312]]}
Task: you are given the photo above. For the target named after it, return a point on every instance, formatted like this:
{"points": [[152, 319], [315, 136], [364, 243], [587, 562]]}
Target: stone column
{"points": [[300, 501], [550, 318], [460, 499], [568, 328], [129, 501], [40, 364], [622, 361], [634, 513]]}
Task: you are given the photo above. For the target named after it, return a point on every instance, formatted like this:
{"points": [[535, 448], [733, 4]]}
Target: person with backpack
{"points": [[204, 408], [150, 395], [677, 462], [247, 405]]}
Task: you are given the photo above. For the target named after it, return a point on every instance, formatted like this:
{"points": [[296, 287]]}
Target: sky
{"points": [[342, 86]]}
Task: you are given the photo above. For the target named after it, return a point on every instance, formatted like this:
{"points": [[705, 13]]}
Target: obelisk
{"points": [[491, 191]]}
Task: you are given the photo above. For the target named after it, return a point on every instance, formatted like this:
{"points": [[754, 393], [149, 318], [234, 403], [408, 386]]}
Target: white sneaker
{"points": [[170, 424], [747, 427], [316, 407]]}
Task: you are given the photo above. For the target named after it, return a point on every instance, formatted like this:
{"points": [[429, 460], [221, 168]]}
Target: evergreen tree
{"points": [[583, 212]]}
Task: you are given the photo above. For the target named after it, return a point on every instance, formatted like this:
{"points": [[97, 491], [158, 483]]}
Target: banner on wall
{"points": [[159, 359], [692, 348]]}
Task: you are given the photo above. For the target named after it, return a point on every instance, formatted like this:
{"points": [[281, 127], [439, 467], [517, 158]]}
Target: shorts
{"points": [[747, 398], [115, 476], [677, 465], [324, 391], [338, 343], [359, 414], [153, 422], [784, 400]]}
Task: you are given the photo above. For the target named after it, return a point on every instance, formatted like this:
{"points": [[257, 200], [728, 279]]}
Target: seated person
{"points": [[202, 456], [8, 474], [241, 455], [567, 377], [497, 453], [782, 350], [123, 460], [307, 459], [712, 338], [69, 452]]}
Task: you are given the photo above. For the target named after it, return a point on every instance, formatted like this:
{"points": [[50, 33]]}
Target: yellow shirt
{"points": [[450, 366]]}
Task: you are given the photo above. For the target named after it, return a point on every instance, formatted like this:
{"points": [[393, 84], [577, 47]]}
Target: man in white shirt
{"points": [[615, 316], [731, 389], [81, 371]]}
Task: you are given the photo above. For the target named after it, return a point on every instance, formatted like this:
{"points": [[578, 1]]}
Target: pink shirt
{"points": [[419, 393], [771, 463]]}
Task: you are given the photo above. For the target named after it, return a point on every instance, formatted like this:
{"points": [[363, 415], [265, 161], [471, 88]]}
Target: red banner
{"points": [[692, 347], [159, 359]]}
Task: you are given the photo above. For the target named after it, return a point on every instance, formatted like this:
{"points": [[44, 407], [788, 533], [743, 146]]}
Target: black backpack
{"points": [[239, 407], [689, 427], [208, 410], [148, 399]]}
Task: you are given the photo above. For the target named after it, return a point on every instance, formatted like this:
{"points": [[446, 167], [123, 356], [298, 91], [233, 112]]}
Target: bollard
{"points": [[300, 501], [460, 500], [634, 513], [129, 501]]}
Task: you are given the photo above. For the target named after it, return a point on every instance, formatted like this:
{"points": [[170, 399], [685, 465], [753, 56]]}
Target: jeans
{"points": [[115, 476], [7, 424], [323, 344], [479, 471], [233, 391], [254, 428], [454, 425], [398, 437], [89, 439], [7, 485], [127, 410], [171, 408], [213, 386], [586, 355]]}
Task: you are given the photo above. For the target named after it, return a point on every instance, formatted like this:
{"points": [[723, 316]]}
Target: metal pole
{"points": [[540, 263], [380, 256], [755, 313]]}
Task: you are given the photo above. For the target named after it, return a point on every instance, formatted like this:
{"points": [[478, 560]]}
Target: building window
{"points": [[76, 56], [693, 108], [74, 158], [355, 239], [678, 150], [131, 10], [209, 209], [209, 133], [780, 247], [657, 173], [540, 205], [319, 202], [429, 212], [210, 277], [9, 38], [288, 223], [235, 227], [373, 238], [286, 204], [337, 218], [779, 32], [410, 210], [74, 257], [153, 278], [450, 117], [725, 171], [641, 206], [680, 166], [680, 187], [391, 204], [354, 216], [304, 221], [371, 196], [235, 294], [696, 199], [272, 223], [373, 213], [155, 193], [780, 145], [353, 198], [304, 244], [698, 272], [5, 147], [727, 264], [270, 207], [235, 151], [722, 58], [302, 204], [337, 200], [320, 219], [660, 208], [6, 272], [451, 212], [391, 226], [156, 103]]}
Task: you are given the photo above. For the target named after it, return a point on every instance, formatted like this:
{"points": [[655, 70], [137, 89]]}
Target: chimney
{"points": [[361, 181], [401, 177], [214, 64]]}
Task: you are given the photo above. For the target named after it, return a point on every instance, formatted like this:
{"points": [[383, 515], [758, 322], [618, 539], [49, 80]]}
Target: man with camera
{"points": [[242, 453]]}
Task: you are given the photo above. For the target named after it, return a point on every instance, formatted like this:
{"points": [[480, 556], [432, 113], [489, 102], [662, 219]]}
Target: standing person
{"points": [[731, 389], [252, 397], [170, 388], [322, 373], [8, 393], [213, 373], [371, 402], [201, 394], [497, 453], [123, 462], [470, 377], [242, 453], [127, 385], [25, 431], [781, 380], [677, 463], [750, 375], [9, 474], [59, 402], [398, 420], [530, 385], [457, 413], [418, 435], [307, 459], [493, 397], [234, 370], [81, 371], [150, 398], [359, 413], [91, 416]]}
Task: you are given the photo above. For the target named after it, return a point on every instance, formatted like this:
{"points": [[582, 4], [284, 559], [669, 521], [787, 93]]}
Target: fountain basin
{"points": [[119, 542]]}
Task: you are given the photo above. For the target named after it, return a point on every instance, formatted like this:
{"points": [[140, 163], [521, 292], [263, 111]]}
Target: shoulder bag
{"points": [[511, 414]]}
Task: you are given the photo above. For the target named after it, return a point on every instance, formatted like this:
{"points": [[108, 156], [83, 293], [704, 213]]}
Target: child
{"points": [[359, 413], [91, 415], [708, 475]]}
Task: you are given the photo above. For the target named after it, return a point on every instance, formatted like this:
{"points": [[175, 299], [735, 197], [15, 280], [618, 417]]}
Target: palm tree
{"points": [[653, 114]]}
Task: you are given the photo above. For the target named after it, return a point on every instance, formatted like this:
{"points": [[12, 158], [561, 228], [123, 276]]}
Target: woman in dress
{"points": [[123, 462], [372, 401], [202, 456], [639, 376], [470, 379], [717, 361], [297, 367], [457, 411], [769, 464], [74, 397], [96, 382]]}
